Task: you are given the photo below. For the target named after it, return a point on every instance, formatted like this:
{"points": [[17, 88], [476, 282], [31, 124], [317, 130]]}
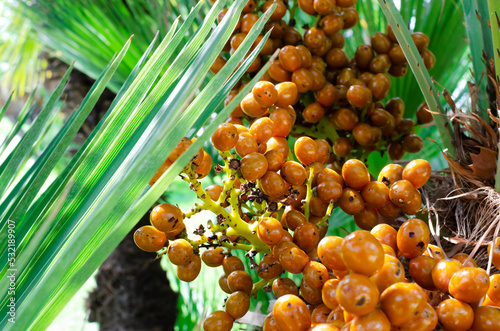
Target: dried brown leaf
{"points": [[463, 173], [469, 142], [493, 117], [484, 164], [491, 138]]}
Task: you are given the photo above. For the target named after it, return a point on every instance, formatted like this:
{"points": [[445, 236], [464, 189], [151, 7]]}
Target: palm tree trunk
{"points": [[132, 291]]}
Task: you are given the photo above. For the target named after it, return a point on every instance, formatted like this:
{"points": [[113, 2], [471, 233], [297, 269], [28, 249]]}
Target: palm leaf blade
{"points": [[24, 147]]}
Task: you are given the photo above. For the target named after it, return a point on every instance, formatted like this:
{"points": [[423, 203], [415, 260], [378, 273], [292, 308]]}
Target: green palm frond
{"points": [[92, 33], [3, 110], [478, 47], [88, 33], [22, 117], [494, 16], [63, 233]]}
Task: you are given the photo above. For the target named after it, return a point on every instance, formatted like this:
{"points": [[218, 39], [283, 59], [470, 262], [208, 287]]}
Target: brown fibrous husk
{"points": [[463, 220], [463, 206]]}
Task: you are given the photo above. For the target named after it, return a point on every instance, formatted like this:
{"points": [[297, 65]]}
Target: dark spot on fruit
{"points": [[421, 245], [386, 181], [351, 199], [360, 302], [398, 272], [412, 234]]}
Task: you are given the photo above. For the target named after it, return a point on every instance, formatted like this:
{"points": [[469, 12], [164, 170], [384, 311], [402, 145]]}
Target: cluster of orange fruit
{"points": [[343, 280], [276, 201], [322, 81], [372, 291]]}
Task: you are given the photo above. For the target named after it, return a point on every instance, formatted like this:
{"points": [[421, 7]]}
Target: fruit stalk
{"points": [[231, 221], [324, 220], [260, 284], [309, 192]]}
